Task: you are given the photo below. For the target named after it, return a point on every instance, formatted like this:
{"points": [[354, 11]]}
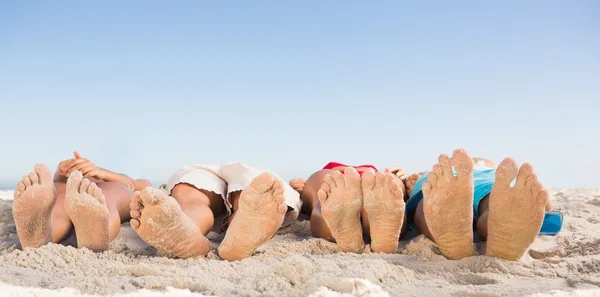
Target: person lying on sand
{"points": [[92, 200], [253, 204], [445, 202], [442, 205], [347, 202]]}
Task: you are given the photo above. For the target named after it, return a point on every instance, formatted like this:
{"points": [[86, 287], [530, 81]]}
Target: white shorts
{"points": [[224, 179]]}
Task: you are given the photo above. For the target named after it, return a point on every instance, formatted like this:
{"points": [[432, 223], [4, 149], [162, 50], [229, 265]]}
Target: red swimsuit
{"points": [[332, 165]]}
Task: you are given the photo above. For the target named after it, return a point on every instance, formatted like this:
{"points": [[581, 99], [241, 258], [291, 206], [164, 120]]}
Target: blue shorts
{"points": [[483, 180]]}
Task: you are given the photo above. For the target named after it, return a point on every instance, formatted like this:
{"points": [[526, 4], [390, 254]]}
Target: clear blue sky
{"points": [[144, 87]]}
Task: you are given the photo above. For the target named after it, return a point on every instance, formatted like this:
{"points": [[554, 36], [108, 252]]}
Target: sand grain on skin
{"points": [[295, 264]]}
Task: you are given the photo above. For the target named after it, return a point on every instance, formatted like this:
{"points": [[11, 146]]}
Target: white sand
{"points": [[294, 264]]}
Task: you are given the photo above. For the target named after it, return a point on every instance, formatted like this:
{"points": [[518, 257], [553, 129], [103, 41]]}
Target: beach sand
{"points": [[294, 264]]}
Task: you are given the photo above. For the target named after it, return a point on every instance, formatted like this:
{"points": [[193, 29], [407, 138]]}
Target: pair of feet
{"points": [[159, 221], [34, 202], [515, 214], [342, 197]]}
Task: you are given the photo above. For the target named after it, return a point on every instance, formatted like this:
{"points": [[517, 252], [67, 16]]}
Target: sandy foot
{"points": [[384, 204], [260, 214], [32, 209], [515, 213], [341, 201], [159, 221], [448, 205], [86, 206]]}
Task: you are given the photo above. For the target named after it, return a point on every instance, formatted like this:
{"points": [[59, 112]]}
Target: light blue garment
{"points": [[483, 180]]}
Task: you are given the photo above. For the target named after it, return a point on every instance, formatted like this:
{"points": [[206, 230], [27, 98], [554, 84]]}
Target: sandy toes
{"points": [[86, 206], [448, 205], [260, 214], [35, 197], [160, 222], [384, 204], [341, 201], [515, 213]]}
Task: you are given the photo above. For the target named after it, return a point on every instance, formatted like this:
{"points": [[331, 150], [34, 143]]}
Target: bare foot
{"points": [[515, 213], [32, 208], [86, 206], [260, 214], [384, 204], [341, 201], [448, 205], [159, 221]]}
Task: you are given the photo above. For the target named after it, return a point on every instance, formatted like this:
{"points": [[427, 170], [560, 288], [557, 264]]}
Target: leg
{"points": [[199, 205], [118, 198], [482, 222], [448, 205], [516, 213], [259, 212]]}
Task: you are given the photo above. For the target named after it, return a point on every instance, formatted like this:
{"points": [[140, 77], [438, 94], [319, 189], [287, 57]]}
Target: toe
{"points": [[328, 179], [542, 198], [432, 177], [351, 177], [33, 177], [531, 181], [85, 186], [21, 186], [152, 196], [535, 190], [135, 202], [506, 172], [322, 197], [426, 189], [379, 179], [43, 173], [462, 162], [26, 181], [135, 213], [368, 179], [134, 223], [74, 181], [282, 208], [263, 182], [95, 191], [525, 172], [444, 162], [437, 169], [395, 188], [338, 177], [16, 194], [325, 186]]}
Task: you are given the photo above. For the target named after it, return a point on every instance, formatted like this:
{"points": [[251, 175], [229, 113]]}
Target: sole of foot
{"points": [[159, 221], [341, 201], [259, 215], [448, 204], [35, 197], [86, 206], [384, 204], [515, 213]]}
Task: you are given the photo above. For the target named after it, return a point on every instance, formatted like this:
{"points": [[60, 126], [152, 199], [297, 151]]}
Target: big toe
{"points": [[462, 162], [43, 172], [74, 181], [368, 179], [263, 183], [506, 172], [150, 196]]}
